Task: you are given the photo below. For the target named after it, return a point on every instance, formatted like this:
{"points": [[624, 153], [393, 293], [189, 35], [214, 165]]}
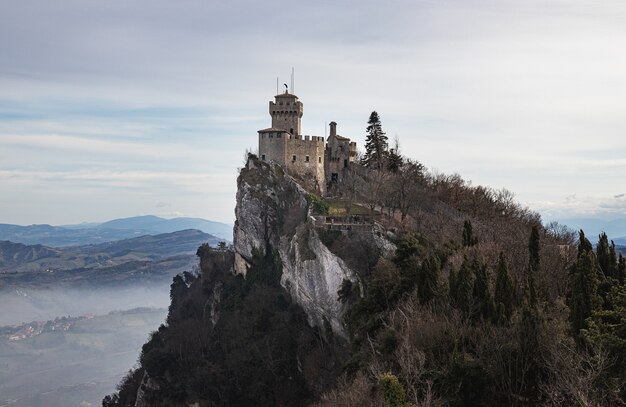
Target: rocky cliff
{"points": [[273, 213]]}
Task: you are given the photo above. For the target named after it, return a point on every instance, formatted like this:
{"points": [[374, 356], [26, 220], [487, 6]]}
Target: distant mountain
{"points": [[17, 257], [615, 229], [118, 229], [161, 225]]}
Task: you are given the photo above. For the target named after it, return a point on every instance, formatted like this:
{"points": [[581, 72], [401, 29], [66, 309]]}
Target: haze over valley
{"points": [[78, 302]]}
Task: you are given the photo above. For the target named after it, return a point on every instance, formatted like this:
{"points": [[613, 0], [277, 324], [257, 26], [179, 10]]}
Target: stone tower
{"points": [[286, 112], [283, 142]]}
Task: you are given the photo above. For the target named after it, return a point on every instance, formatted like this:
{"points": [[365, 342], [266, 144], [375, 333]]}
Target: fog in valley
{"points": [[69, 346]]}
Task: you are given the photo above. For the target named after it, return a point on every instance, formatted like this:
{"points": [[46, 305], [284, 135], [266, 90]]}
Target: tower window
{"points": [[263, 157], [291, 130], [306, 158], [345, 163], [319, 160], [293, 158]]}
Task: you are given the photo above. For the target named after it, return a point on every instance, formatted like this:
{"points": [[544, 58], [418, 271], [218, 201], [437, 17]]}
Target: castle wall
{"points": [[272, 146], [308, 152]]}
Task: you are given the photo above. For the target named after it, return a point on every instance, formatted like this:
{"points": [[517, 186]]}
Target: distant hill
{"points": [[118, 229], [17, 257], [615, 228], [161, 225]]}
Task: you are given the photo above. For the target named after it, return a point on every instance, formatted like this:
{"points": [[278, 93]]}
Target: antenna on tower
{"points": [[277, 91], [293, 92]]}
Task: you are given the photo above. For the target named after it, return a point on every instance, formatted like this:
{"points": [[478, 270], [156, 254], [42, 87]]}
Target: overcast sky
{"points": [[119, 108]]}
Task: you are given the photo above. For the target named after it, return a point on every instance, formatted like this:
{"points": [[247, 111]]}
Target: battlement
{"points": [[310, 157]]}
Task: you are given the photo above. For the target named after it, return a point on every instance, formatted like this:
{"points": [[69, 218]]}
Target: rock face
{"points": [[273, 214]]}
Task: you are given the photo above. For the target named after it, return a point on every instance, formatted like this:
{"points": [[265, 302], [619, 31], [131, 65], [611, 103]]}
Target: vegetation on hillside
{"points": [[480, 304]]}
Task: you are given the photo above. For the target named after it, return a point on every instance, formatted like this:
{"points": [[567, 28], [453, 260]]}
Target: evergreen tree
{"points": [[612, 261], [375, 144], [533, 264], [602, 252], [607, 328], [503, 295], [395, 160], [480, 292], [462, 295], [584, 282], [468, 234], [621, 269], [428, 281], [584, 245], [529, 351]]}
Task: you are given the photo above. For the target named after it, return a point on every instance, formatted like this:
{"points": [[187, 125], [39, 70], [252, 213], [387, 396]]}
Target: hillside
{"points": [[404, 289]]}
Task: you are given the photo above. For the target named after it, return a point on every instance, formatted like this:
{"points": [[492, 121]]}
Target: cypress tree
{"points": [[621, 269], [427, 285], [584, 245], [462, 295], [584, 282], [375, 144], [602, 251], [612, 261], [468, 234], [533, 264], [503, 295], [480, 292]]}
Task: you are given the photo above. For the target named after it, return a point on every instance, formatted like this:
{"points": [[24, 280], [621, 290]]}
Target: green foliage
{"points": [[621, 269], [584, 282], [461, 288], [319, 205], [203, 251], [345, 291], [393, 392], [329, 237], [481, 295], [395, 161], [606, 328], [530, 351], [606, 261], [533, 264], [428, 279], [468, 235], [375, 144], [504, 294]]}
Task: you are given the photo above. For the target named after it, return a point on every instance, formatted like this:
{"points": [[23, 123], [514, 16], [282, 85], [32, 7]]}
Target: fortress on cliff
{"points": [[325, 161]]}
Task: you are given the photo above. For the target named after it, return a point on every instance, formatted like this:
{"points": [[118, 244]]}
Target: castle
{"points": [[325, 161]]}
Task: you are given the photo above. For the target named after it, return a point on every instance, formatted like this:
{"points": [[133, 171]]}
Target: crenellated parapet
{"points": [[303, 155]]}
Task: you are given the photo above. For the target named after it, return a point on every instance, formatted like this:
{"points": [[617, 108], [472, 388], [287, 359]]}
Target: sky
{"points": [[121, 108]]}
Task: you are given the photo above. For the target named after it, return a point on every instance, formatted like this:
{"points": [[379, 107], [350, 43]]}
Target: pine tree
{"points": [[533, 264], [503, 296], [621, 269], [375, 144]]}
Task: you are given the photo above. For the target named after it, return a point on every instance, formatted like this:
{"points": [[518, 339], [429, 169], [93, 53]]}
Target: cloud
{"points": [[524, 95]]}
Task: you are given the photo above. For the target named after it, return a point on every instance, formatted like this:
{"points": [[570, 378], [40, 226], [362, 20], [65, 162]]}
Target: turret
{"points": [[286, 112], [333, 129]]}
